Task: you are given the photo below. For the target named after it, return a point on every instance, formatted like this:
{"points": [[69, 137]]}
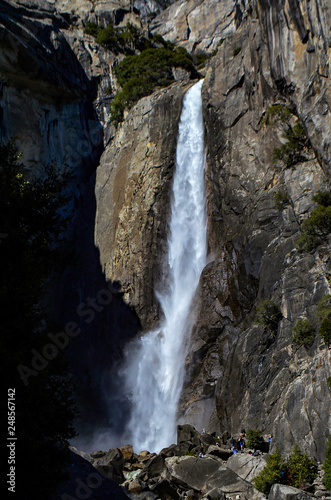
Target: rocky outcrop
{"points": [[192, 469], [199, 26]]}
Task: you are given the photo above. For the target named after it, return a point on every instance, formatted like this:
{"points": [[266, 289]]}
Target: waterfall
{"points": [[155, 364]]}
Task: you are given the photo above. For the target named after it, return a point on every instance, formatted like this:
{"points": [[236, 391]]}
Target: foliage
{"points": [[127, 40], [328, 381], [323, 198], [31, 222], [268, 314], [271, 474], [325, 331], [281, 200], [139, 75], [254, 439], [148, 64], [327, 466], [323, 308], [120, 40], [292, 152], [277, 113], [301, 469], [236, 51], [323, 313], [318, 226], [303, 332]]}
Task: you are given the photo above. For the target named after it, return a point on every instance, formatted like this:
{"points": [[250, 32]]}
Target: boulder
{"points": [[170, 451], [205, 474], [245, 465], [111, 465], [282, 492], [222, 453], [127, 452], [154, 467], [98, 454], [165, 490], [136, 486]]}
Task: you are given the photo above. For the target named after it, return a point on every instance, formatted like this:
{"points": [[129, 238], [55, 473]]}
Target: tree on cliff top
{"points": [[30, 225]]}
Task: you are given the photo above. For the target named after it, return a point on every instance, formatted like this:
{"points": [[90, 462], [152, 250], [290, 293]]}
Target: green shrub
{"points": [[122, 40], [325, 331], [91, 29], [301, 469], [190, 454], [140, 74], [254, 439], [323, 308], [318, 226], [268, 314], [296, 144], [281, 200], [328, 381], [327, 466], [277, 113], [236, 51], [303, 332], [271, 474], [323, 198]]}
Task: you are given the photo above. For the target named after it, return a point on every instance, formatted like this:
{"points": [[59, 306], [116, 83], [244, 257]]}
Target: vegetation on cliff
{"points": [[296, 146], [30, 223], [323, 312], [303, 332], [327, 466], [127, 40], [317, 227], [149, 63], [268, 314], [140, 75]]}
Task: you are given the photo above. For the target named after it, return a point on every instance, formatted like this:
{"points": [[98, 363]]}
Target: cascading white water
{"points": [[155, 364]]}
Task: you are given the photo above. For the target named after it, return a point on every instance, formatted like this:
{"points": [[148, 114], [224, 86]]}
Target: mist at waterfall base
{"points": [[152, 375]]}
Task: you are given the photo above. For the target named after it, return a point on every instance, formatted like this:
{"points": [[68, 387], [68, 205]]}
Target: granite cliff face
{"points": [[261, 53]]}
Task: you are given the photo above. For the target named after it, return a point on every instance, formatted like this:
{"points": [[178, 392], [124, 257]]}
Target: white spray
{"points": [[155, 363]]}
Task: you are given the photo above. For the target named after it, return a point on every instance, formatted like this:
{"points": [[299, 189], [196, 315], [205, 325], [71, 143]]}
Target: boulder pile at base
{"points": [[200, 466]]}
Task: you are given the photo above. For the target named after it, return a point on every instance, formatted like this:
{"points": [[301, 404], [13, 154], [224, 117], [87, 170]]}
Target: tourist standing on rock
{"points": [[242, 440]]}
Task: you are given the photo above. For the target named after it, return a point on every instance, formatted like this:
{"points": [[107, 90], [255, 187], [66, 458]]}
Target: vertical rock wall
{"points": [[262, 380]]}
